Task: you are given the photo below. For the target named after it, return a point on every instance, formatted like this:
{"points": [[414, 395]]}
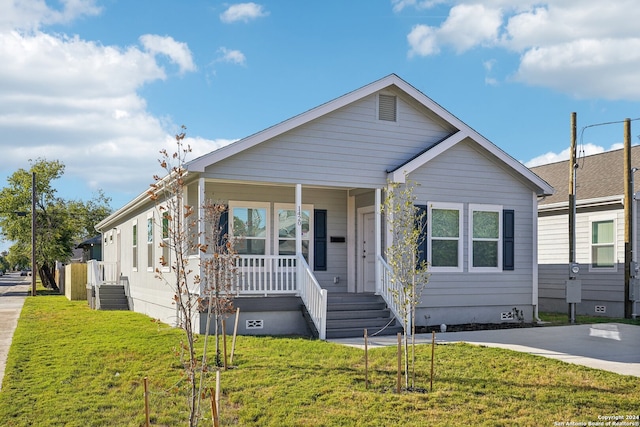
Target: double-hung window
{"points": [[485, 237], [166, 252], [445, 237], [249, 225], [286, 221], [134, 246], [150, 242], [603, 247]]}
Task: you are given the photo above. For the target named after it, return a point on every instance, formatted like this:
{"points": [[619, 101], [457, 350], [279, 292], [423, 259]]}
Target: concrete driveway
{"points": [[13, 291], [611, 347]]}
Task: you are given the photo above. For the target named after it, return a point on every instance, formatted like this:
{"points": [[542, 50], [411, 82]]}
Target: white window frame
{"points": [[150, 251], [485, 208], [603, 218], [257, 205], [446, 206], [135, 242], [276, 232], [166, 250]]}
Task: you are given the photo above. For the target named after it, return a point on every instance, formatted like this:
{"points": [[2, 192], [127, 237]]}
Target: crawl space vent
{"points": [[387, 108], [506, 315], [255, 324], [601, 309]]}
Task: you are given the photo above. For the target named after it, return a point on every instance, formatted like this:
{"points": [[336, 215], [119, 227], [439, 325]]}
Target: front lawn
{"points": [[71, 366]]}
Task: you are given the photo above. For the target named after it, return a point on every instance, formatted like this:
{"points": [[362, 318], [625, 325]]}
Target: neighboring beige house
{"points": [[326, 170], [600, 228]]}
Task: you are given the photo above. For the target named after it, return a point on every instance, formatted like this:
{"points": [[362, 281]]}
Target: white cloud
{"points": [[244, 12], [585, 149], [177, 52], [232, 56], [78, 101], [399, 5], [588, 49], [31, 14]]}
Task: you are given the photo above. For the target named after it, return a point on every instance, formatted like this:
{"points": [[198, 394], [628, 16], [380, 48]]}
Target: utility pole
{"points": [[628, 219], [34, 268], [573, 286]]}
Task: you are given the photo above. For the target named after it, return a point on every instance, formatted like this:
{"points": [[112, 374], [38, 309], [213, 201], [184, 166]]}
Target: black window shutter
{"points": [[224, 227], [320, 239], [508, 239], [421, 212]]}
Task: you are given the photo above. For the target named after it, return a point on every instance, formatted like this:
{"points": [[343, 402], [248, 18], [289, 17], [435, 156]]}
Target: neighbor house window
{"points": [[485, 237], [134, 245], [603, 244], [445, 231], [150, 243], [249, 225], [286, 219], [165, 240]]}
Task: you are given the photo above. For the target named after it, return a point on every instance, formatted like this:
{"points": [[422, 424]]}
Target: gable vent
{"points": [[387, 109]]}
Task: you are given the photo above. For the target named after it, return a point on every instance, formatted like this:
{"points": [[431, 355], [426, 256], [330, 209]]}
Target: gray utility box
{"points": [[634, 289], [573, 291]]}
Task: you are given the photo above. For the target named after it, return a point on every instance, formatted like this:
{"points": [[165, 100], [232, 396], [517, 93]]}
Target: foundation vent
{"points": [[255, 324], [601, 309], [506, 315]]}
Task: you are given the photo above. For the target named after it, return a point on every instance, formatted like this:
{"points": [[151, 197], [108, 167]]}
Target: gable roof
{"points": [[398, 174], [600, 177]]}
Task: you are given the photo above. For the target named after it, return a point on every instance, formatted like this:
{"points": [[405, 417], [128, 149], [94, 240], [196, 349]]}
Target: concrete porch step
{"points": [[348, 315]]}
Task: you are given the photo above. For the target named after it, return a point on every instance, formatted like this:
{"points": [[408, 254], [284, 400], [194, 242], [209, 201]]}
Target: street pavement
{"points": [[13, 291], [611, 347]]}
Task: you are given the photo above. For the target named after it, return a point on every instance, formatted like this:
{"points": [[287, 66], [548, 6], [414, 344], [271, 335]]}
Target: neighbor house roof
{"points": [[599, 177]]}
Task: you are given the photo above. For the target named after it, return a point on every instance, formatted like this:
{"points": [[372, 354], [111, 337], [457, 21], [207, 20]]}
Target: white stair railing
{"points": [[391, 291], [313, 297]]}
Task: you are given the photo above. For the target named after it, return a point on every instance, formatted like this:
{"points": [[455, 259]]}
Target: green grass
{"points": [[71, 366], [563, 319]]}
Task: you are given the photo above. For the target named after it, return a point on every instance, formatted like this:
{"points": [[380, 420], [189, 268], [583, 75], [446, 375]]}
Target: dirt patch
{"points": [[474, 327]]}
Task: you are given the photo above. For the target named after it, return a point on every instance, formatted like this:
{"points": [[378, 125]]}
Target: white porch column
{"points": [[299, 219], [378, 216], [201, 200]]}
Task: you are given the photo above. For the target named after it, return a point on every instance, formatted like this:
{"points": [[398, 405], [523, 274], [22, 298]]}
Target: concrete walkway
{"points": [[611, 347], [14, 289]]}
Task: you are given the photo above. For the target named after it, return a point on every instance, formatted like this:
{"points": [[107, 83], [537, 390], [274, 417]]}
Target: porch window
{"points": [[485, 237], [165, 242], [286, 225], [150, 243], [603, 244], [250, 226], [445, 243], [134, 246]]}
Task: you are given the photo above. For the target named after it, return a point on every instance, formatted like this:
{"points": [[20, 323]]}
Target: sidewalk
{"points": [[611, 347], [14, 289]]}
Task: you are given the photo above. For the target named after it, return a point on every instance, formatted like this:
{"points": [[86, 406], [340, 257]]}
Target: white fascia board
{"points": [[465, 130], [399, 175], [585, 203]]}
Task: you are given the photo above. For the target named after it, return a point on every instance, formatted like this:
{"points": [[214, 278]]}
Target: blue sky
{"points": [[102, 85]]}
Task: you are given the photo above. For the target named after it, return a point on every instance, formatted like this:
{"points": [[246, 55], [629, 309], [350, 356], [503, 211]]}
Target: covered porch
{"points": [[328, 249]]}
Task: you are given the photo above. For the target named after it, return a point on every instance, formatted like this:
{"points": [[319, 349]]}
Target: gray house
{"points": [[600, 233], [312, 188]]}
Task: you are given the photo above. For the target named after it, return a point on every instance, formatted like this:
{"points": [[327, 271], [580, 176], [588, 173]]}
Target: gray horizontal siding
{"points": [[478, 179], [348, 147]]}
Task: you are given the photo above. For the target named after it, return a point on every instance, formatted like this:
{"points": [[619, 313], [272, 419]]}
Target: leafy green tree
{"points": [[59, 223], [406, 223]]}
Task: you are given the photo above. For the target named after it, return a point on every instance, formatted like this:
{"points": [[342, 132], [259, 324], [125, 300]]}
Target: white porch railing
{"points": [[390, 290], [100, 273], [266, 275], [314, 298], [283, 275]]}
